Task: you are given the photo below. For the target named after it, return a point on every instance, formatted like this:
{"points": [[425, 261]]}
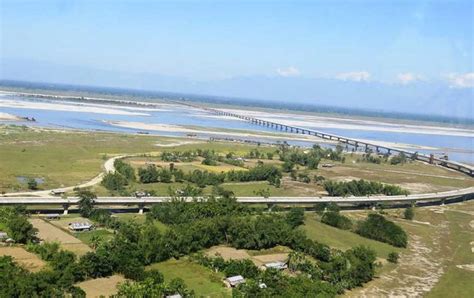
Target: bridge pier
{"points": [[65, 209], [140, 208]]}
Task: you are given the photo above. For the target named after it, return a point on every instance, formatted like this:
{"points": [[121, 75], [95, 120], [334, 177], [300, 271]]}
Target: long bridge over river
{"points": [[355, 143]]}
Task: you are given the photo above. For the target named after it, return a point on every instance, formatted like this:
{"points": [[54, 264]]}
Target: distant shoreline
{"points": [[111, 93]]}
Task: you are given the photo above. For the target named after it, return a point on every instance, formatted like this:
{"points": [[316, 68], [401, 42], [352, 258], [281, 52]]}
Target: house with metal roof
{"points": [[80, 226], [234, 281]]}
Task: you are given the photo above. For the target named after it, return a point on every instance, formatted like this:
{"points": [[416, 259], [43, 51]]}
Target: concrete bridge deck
{"points": [[466, 169], [148, 201]]}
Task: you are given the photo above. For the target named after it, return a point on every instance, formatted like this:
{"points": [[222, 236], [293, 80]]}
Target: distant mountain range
{"points": [[433, 98]]}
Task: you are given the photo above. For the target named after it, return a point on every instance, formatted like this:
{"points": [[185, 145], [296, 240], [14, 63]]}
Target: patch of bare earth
{"points": [[105, 286], [50, 233], [230, 253], [227, 253], [263, 259], [418, 270], [24, 258]]}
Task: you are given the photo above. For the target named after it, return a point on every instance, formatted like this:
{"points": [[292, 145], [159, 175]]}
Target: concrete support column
{"points": [[140, 208], [65, 209]]}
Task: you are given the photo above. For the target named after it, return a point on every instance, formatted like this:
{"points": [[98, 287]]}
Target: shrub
{"points": [[336, 220], [393, 257], [409, 213], [295, 217]]}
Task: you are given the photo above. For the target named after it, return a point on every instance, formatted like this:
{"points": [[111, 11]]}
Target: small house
{"points": [[276, 265], [234, 281], [80, 226]]}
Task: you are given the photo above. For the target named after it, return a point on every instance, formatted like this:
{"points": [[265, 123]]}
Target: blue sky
{"points": [[393, 42]]}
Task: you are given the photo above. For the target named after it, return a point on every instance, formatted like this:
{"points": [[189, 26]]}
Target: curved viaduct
{"points": [[141, 203]]}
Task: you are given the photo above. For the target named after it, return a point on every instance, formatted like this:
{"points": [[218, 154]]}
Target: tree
{"points": [[86, 202], [409, 213], [32, 184], [114, 181], [295, 217], [21, 229]]}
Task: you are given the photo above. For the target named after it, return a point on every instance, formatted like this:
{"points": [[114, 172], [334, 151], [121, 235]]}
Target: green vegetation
{"points": [[32, 184], [379, 228], [409, 213], [61, 158], [457, 282], [95, 237], [203, 281], [14, 219], [337, 220], [343, 239], [393, 257], [114, 181], [362, 188]]}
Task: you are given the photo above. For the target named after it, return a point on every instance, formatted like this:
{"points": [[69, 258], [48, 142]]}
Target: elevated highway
{"points": [[141, 203]]}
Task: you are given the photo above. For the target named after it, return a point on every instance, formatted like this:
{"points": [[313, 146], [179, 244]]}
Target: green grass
{"points": [[66, 159], [342, 239], [86, 237], [61, 158], [202, 280], [457, 282]]}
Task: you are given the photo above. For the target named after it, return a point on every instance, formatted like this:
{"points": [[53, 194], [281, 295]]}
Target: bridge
{"points": [[141, 203], [463, 168]]}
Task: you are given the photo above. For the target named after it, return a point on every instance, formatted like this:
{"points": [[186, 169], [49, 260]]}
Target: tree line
{"points": [[361, 188]]}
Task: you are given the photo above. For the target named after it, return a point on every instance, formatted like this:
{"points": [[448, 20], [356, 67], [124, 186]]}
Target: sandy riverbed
{"points": [[9, 117], [307, 121], [269, 136], [9, 103]]}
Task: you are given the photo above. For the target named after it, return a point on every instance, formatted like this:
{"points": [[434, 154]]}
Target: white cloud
{"points": [[290, 71], [463, 80], [357, 76], [407, 78]]}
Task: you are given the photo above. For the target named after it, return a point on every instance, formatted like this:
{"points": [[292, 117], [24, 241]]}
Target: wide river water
{"points": [[457, 143]]}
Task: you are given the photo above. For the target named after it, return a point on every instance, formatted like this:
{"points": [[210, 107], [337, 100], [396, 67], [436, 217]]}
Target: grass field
{"points": [[440, 239], [203, 281], [67, 158], [61, 158], [343, 239], [458, 282], [86, 237]]}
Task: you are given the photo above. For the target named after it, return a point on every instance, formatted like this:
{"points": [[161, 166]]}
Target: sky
{"points": [[218, 47]]}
